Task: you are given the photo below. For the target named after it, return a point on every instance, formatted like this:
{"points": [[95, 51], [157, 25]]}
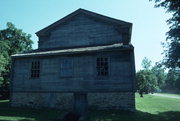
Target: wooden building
{"points": [[84, 60]]}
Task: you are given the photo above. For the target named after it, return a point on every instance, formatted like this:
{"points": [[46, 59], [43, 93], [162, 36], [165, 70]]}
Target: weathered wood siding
{"points": [[81, 30], [84, 76]]}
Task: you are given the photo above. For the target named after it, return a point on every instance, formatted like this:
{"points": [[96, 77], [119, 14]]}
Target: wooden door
{"points": [[80, 103]]}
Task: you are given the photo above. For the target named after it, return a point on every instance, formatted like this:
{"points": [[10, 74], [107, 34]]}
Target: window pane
{"points": [[35, 69], [102, 66]]}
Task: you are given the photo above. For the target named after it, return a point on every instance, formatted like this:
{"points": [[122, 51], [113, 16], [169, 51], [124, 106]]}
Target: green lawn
{"points": [[26, 114], [171, 94], [149, 108], [157, 104]]}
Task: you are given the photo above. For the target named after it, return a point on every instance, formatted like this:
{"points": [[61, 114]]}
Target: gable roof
{"points": [[89, 13]]}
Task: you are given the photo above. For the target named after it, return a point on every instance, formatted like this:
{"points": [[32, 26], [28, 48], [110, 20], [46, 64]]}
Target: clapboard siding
{"points": [[81, 30], [84, 77]]}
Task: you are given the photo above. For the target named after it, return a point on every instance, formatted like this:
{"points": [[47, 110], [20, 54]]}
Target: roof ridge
{"points": [[93, 14]]}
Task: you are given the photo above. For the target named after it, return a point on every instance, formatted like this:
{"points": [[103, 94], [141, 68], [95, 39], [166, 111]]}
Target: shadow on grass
{"points": [[130, 116], [27, 114], [4, 103]]}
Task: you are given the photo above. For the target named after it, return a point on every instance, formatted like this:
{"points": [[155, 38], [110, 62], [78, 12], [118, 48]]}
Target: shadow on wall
{"points": [[27, 114]]}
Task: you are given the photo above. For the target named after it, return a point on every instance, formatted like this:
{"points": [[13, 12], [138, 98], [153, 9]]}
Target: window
{"points": [[35, 69], [102, 66], [66, 68]]}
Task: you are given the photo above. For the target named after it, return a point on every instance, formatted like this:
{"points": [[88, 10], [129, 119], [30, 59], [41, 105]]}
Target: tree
{"points": [[146, 63], [160, 74], [146, 79], [172, 81], [12, 41], [172, 46], [146, 82], [3, 58], [178, 83]]}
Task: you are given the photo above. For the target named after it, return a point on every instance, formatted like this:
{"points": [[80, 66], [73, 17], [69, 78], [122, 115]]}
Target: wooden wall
{"points": [[83, 78], [82, 30]]}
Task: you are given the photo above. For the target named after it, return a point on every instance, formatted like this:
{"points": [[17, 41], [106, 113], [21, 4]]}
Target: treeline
{"points": [[157, 79]]}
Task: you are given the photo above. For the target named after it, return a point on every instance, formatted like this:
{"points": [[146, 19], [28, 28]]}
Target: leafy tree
{"points": [[146, 82], [146, 79], [172, 81], [146, 63], [172, 52], [178, 83], [3, 57], [17, 40], [160, 74], [12, 41]]}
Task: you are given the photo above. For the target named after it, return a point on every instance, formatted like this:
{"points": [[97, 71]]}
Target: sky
{"points": [[149, 23]]}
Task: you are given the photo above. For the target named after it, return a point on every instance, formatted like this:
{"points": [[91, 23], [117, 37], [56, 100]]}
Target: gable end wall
{"points": [[81, 31]]}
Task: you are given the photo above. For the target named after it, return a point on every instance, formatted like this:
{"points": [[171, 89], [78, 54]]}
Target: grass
{"points": [[8, 113], [149, 108], [178, 95], [157, 104]]}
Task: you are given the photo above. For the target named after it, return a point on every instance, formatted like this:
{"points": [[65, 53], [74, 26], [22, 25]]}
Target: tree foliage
{"points": [[172, 45], [172, 81], [146, 63], [12, 41], [146, 81], [146, 78], [160, 74], [154, 79]]}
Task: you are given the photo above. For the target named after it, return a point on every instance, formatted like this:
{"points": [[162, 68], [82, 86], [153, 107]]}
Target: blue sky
{"points": [[149, 23]]}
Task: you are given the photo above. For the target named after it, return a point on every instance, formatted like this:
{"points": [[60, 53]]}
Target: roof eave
{"points": [[52, 53], [106, 18]]}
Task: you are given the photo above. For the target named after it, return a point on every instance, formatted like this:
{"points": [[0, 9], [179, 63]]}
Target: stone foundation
{"points": [[119, 101], [62, 101], [65, 101]]}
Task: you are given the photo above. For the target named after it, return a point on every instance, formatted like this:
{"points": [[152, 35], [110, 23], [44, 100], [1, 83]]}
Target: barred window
{"points": [[35, 69], [102, 66]]}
